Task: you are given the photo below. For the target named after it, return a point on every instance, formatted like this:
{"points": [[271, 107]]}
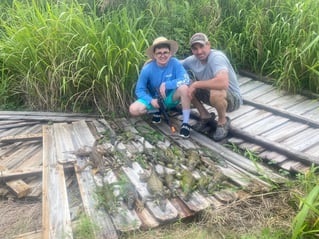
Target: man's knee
{"points": [[218, 97]]}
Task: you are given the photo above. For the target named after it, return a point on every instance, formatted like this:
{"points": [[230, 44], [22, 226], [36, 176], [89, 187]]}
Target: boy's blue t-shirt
{"points": [[152, 76]]}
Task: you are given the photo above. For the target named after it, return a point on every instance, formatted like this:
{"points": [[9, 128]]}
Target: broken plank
{"points": [[182, 208], [147, 219], [64, 143], [21, 137], [196, 202], [19, 188], [99, 217], [21, 173], [56, 222], [83, 134]]}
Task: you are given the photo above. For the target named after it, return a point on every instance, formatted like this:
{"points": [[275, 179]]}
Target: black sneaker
{"points": [[222, 131], [156, 118], [185, 130]]}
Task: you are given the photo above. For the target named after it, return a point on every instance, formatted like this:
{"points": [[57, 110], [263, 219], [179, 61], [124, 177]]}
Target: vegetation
{"points": [[86, 55]]}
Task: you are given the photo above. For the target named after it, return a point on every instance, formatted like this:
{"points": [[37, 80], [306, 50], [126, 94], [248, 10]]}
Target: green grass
{"points": [[86, 55]]}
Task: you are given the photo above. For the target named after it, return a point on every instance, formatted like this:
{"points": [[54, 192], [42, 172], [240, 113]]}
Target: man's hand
{"points": [[155, 104], [191, 90]]}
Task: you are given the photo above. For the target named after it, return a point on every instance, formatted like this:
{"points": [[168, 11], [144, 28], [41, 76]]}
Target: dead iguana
{"points": [[156, 188]]}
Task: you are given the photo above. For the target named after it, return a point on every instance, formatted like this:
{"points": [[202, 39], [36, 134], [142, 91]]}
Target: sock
{"points": [[186, 114]]}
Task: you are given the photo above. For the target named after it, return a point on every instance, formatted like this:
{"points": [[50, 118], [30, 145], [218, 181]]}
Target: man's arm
{"points": [[219, 82]]}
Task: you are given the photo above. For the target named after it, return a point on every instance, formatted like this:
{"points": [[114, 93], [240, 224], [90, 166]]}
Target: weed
{"points": [[84, 228]]}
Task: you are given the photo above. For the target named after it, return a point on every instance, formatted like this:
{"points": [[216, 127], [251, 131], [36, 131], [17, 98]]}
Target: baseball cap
{"points": [[199, 37]]}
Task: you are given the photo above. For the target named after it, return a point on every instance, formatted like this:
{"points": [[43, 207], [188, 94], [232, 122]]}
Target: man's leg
{"points": [[219, 102]]}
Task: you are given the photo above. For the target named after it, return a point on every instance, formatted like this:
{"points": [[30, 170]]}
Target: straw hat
{"points": [[160, 40]]}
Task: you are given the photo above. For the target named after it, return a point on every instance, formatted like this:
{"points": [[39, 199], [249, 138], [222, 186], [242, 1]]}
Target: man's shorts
{"points": [[168, 101], [233, 102]]}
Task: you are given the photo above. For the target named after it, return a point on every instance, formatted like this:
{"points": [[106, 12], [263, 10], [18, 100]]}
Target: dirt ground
{"points": [[19, 216], [244, 217]]}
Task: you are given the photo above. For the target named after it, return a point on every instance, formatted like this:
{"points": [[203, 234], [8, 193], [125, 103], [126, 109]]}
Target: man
{"points": [[163, 75], [216, 83]]}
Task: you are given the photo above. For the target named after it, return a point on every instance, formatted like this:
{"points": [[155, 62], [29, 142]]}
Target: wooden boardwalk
{"points": [[283, 127], [41, 152]]}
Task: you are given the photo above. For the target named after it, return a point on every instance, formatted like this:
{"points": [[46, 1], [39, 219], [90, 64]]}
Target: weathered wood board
{"points": [[56, 220]]}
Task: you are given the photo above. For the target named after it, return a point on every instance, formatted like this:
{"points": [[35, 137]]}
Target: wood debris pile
{"points": [[129, 175]]}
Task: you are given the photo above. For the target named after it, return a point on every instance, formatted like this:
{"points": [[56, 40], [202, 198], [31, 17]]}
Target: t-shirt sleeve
{"points": [[180, 77], [141, 85]]}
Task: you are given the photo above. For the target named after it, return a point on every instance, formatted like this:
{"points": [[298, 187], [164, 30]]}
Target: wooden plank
{"points": [[249, 118], [44, 116], [262, 90], [64, 143], [99, 217], [35, 160], [240, 161], [147, 219], [197, 202], [243, 79], [20, 125], [243, 110], [284, 113], [313, 151], [284, 131], [56, 222], [313, 114], [283, 149], [250, 86], [23, 153], [36, 187], [182, 208], [125, 219], [254, 148], [264, 125], [293, 166], [23, 137], [83, 135], [18, 173], [303, 107], [303, 140], [269, 97], [286, 101], [273, 157], [19, 187]]}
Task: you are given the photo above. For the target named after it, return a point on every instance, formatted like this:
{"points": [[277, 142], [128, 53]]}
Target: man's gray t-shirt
{"points": [[217, 61]]}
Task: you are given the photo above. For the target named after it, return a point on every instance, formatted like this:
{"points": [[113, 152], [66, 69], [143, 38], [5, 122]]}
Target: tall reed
{"points": [[62, 58], [274, 38]]}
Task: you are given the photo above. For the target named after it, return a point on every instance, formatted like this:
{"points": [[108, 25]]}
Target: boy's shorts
{"points": [[168, 101]]}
